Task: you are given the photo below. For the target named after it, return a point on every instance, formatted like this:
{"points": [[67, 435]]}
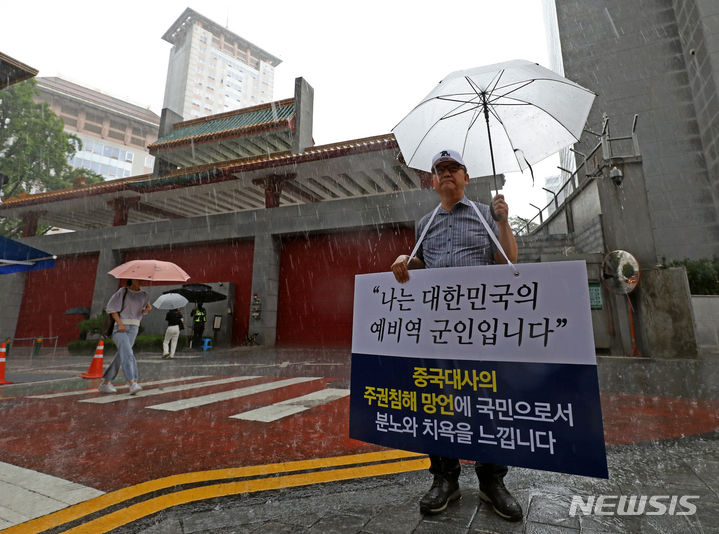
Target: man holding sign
{"points": [[455, 236]]}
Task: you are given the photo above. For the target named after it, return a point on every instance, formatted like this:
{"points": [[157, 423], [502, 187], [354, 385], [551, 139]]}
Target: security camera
{"points": [[616, 175]]}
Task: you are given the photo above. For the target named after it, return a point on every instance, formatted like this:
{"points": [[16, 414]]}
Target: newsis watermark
{"points": [[626, 505]]}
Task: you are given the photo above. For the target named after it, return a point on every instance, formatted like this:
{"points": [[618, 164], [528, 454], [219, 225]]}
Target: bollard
{"points": [[37, 346]]}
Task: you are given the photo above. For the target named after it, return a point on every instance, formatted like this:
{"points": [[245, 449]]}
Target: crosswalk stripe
{"points": [[94, 389], [106, 399], [195, 402], [288, 407]]}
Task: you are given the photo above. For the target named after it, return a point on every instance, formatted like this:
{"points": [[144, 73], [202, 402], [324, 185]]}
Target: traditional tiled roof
{"points": [[227, 171], [349, 169], [208, 173], [12, 71], [232, 123], [99, 188]]}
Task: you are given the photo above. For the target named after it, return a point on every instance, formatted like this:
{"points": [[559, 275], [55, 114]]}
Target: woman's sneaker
{"points": [[134, 388], [106, 388]]}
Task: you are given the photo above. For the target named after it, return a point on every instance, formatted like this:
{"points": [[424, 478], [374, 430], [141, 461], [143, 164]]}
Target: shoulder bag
{"points": [[110, 320]]}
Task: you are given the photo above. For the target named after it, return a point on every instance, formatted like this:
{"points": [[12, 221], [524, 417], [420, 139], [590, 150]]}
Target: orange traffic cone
{"points": [[95, 370], [2, 364]]}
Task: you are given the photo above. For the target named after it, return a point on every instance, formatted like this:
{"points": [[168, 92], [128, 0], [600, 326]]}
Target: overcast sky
{"points": [[369, 62]]}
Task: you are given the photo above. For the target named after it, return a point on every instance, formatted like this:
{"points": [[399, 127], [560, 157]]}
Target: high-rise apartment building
{"points": [[114, 134], [213, 70]]}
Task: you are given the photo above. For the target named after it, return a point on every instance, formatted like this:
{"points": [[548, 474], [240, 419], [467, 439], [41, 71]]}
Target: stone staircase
{"points": [[533, 247]]}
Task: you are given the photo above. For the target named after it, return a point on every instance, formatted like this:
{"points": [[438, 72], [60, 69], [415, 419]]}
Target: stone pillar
{"points": [[265, 284], [12, 288], [168, 119], [667, 317], [304, 109], [425, 179], [122, 207], [29, 223], [626, 218], [105, 285], [273, 188]]}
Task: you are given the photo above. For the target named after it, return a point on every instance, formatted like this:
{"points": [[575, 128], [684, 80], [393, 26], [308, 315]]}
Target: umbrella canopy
{"points": [[170, 301], [16, 257], [198, 293], [155, 270], [500, 118], [78, 310]]}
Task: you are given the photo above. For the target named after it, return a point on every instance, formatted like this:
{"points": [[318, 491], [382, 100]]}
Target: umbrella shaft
{"points": [[489, 138]]}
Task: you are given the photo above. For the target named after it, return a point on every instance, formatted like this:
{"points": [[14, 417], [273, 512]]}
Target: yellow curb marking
{"points": [[139, 510]]}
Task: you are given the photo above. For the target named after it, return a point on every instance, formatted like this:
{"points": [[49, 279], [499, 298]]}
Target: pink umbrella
{"points": [[155, 270]]}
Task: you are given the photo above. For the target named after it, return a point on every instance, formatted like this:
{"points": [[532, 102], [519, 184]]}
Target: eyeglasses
{"points": [[451, 167]]}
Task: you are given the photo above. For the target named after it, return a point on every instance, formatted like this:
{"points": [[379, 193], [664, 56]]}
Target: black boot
{"points": [[492, 491], [442, 492]]}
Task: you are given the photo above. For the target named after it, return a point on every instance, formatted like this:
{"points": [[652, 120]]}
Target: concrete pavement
{"points": [[660, 428]]}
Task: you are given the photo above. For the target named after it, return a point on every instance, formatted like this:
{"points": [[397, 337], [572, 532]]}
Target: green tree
{"points": [[34, 148], [703, 275], [519, 226]]}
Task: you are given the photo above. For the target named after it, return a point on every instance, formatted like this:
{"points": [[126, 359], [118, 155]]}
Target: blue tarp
{"points": [[16, 257]]}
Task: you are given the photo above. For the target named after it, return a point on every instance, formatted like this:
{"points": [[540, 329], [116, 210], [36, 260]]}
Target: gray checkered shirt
{"points": [[457, 238]]}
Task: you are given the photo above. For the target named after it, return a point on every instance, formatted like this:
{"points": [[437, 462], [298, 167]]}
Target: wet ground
{"points": [[255, 440]]}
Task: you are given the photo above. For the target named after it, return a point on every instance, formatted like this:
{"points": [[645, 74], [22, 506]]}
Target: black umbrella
{"points": [[78, 310], [198, 293]]}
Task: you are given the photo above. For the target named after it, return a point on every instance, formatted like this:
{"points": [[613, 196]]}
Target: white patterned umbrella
{"points": [[500, 118], [170, 301]]}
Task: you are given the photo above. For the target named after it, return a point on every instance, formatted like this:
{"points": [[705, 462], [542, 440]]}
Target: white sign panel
{"points": [[541, 315]]}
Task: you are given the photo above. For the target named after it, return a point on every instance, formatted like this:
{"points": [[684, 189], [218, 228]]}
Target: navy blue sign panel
{"points": [[500, 412]]}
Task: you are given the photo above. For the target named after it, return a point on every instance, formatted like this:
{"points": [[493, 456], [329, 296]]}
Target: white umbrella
{"points": [[500, 118], [170, 301]]}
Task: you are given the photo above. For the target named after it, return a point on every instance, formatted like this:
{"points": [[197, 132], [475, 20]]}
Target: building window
{"points": [[93, 128], [93, 117]]}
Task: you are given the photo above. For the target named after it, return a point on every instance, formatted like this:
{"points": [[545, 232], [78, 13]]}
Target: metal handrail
{"points": [[605, 145]]}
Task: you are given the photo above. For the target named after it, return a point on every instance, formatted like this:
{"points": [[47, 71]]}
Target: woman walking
{"points": [[175, 323], [127, 306]]}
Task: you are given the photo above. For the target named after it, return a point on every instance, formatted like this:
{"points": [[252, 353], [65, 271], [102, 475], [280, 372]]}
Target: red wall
{"points": [[222, 262], [50, 292], [316, 287]]}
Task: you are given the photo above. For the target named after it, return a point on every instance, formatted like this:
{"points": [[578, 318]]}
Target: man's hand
{"points": [[501, 210], [146, 309], [401, 269]]}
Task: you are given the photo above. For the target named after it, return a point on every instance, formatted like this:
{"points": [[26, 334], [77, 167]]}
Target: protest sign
{"points": [[480, 363]]}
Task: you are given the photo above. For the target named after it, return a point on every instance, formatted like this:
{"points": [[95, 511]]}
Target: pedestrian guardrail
{"points": [[30, 347]]}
